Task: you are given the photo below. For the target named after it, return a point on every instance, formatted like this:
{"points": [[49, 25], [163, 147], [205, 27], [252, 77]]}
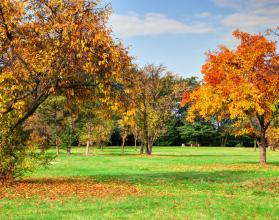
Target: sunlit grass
{"points": [[174, 183]]}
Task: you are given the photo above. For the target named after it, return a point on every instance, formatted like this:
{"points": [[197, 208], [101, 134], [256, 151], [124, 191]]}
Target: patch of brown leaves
{"points": [[263, 184], [61, 188]]}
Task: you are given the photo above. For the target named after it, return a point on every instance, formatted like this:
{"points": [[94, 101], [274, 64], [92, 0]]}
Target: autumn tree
{"points": [[157, 92], [50, 47], [242, 84], [95, 132], [48, 121]]}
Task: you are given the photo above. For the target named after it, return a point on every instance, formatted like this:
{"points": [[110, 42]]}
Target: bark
{"points": [[141, 148], [148, 148], [262, 146], [135, 142], [255, 144], [123, 143], [56, 136], [87, 148], [226, 140], [262, 139], [71, 133]]}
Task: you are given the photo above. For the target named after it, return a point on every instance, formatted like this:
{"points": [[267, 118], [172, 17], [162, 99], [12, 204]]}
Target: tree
{"points": [[197, 132], [126, 124], [48, 117], [156, 100], [95, 131], [241, 84], [50, 47]]}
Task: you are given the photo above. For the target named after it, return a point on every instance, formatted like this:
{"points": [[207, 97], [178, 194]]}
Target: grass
{"points": [[174, 183]]}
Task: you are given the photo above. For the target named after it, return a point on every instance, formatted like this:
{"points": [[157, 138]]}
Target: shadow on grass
{"points": [[129, 154], [273, 163], [226, 176]]}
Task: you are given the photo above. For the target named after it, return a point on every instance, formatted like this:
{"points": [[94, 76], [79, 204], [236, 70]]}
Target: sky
{"points": [[178, 33]]}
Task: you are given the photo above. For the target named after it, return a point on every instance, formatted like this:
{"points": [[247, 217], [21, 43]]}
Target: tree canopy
{"points": [[241, 84]]}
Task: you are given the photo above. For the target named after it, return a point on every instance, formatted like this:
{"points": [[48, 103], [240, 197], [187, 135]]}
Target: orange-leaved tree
{"points": [[241, 84], [50, 47]]}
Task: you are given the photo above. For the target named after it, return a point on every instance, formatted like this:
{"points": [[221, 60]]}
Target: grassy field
{"points": [[174, 183]]}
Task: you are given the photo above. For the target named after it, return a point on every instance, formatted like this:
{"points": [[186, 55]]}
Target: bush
{"points": [[239, 145], [19, 155]]}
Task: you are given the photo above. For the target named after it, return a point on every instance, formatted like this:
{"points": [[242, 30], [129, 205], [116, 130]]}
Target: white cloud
{"points": [[250, 21], [228, 3], [240, 4], [250, 15], [132, 24], [204, 15]]}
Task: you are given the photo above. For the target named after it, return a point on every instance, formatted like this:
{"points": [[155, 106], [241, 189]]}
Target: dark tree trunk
{"points": [[226, 140], [71, 134], [146, 135], [56, 135], [255, 144], [263, 146], [148, 148], [141, 148]]}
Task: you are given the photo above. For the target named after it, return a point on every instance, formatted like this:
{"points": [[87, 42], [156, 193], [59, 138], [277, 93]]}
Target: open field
{"points": [[174, 183]]}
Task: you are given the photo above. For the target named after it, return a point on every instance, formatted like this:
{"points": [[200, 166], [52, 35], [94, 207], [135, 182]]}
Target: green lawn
{"points": [[174, 183]]}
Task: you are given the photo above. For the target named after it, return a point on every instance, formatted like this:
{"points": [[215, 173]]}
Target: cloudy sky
{"points": [[177, 33]]}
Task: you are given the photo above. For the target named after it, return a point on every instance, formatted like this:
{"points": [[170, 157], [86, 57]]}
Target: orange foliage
{"points": [[61, 189], [242, 84]]}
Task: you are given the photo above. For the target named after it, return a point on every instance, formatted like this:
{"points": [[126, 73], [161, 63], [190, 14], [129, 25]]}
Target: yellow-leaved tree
{"points": [[50, 47]]}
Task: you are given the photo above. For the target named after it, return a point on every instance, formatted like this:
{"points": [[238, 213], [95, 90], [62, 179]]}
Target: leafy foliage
{"points": [[53, 48], [242, 85]]}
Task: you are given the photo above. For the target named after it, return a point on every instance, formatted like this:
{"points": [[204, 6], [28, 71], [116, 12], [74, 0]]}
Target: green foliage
{"points": [[19, 156], [196, 132], [239, 145], [67, 138]]}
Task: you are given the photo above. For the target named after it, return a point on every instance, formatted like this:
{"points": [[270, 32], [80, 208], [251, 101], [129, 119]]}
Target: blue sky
{"points": [[177, 33]]}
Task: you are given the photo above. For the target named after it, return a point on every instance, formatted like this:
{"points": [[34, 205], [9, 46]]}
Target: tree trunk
{"points": [[148, 148], [145, 128], [141, 148], [68, 150], [71, 133], [255, 144], [56, 140], [87, 148], [226, 140], [123, 143], [262, 146], [135, 142]]}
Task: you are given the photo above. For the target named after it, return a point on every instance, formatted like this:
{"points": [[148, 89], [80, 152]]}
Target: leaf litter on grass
{"points": [[57, 189]]}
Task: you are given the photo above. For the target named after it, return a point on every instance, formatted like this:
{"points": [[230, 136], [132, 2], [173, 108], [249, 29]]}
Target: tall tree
{"points": [[50, 47], [156, 101], [242, 84]]}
